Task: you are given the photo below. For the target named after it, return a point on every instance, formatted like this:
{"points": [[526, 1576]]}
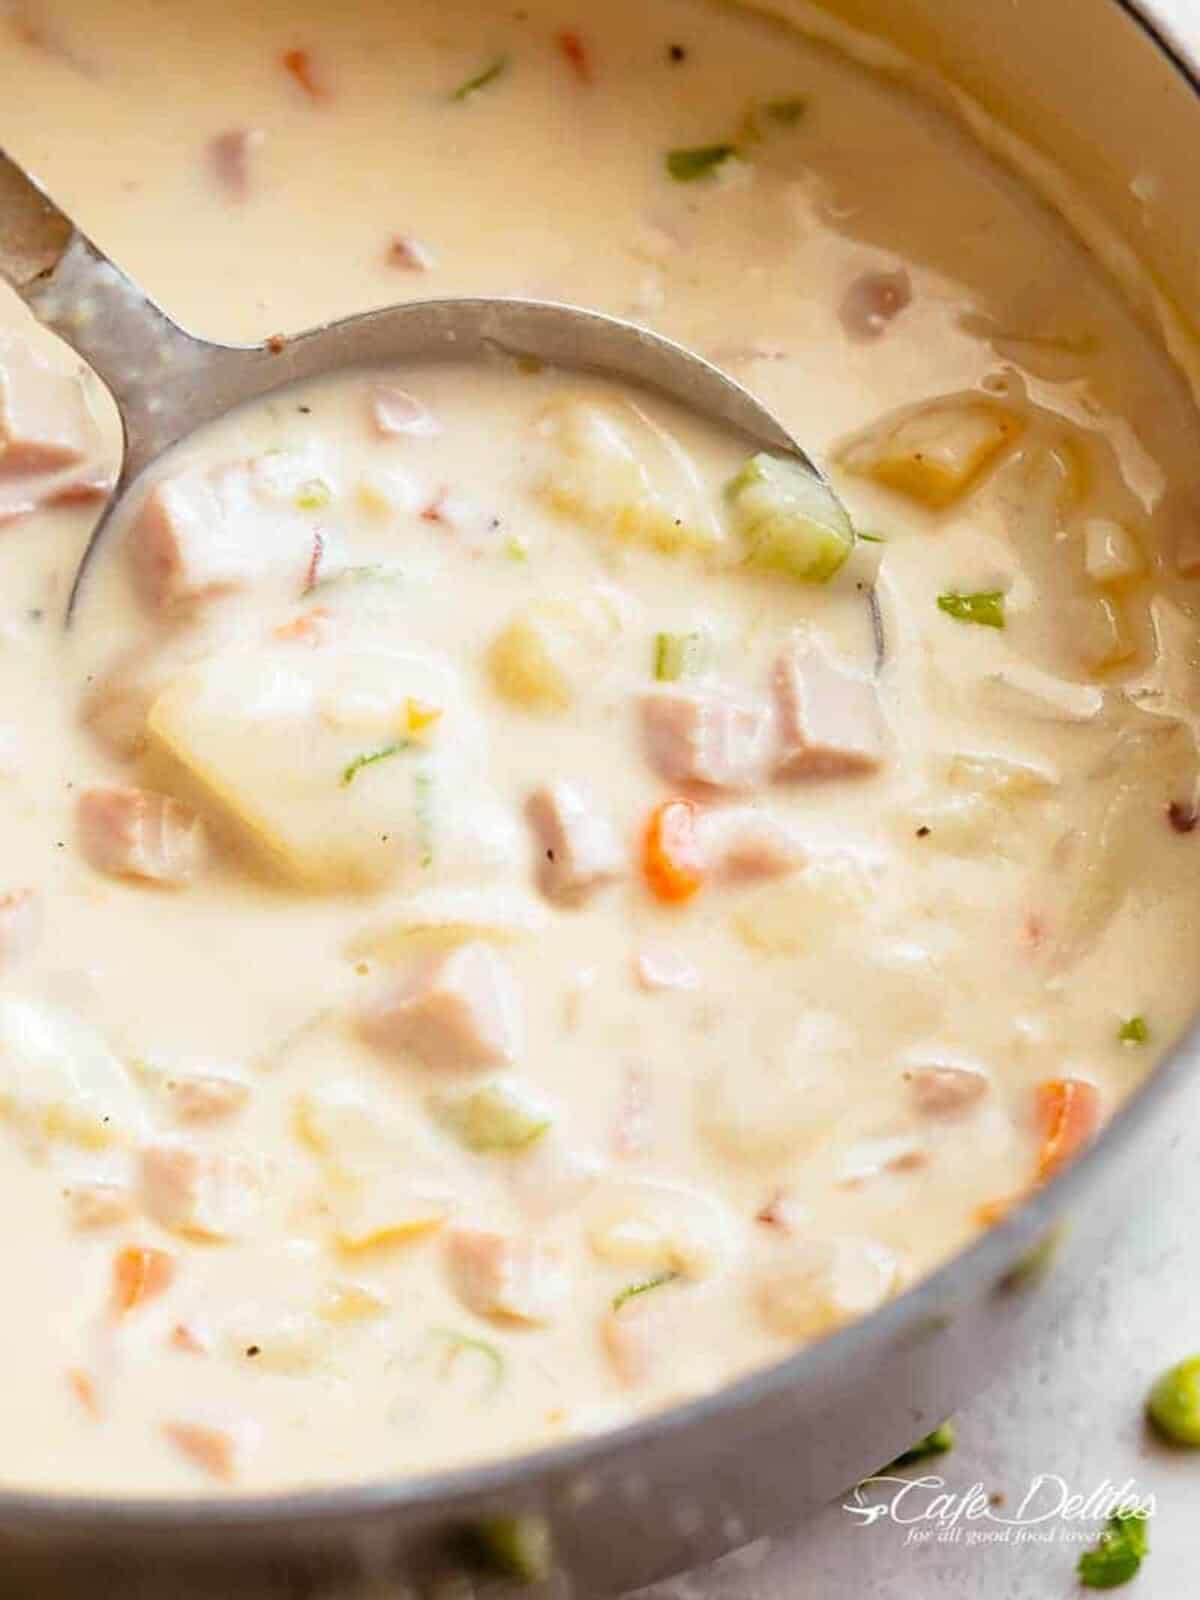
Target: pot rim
{"points": [[987, 1261]]}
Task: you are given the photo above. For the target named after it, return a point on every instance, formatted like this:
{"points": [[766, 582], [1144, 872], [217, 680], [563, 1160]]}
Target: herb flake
{"points": [[985, 608], [632, 1290], [697, 161], [459, 1343], [370, 757], [1123, 1546], [1134, 1030], [481, 80]]}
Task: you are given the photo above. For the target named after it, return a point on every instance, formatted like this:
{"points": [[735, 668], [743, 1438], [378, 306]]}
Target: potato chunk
{"points": [[548, 651], [937, 451], [308, 751], [58, 1079], [623, 476]]}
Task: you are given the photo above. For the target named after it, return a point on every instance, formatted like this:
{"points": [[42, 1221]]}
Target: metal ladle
{"points": [[166, 382]]}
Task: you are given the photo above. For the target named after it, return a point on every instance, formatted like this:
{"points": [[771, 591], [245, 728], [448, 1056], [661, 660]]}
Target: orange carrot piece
{"points": [[309, 628], [212, 1449], [84, 1390], [140, 1273], [299, 64], [1068, 1114], [671, 858], [574, 49]]}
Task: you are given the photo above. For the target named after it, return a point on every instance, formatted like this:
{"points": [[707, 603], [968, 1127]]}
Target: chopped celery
{"points": [[685, 166], [1122, 1548], [495, 1116], [481, 79], [468, 1344], [936, 1443], [314, 494], [632, 1290], [986, 608], [679, 655], [370, 757], [517, 548], [791, 521], [1134, 1030], [423, 791]]}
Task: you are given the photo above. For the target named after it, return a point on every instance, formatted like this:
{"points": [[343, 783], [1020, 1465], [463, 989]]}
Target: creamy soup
{"points": [[513, 909]]}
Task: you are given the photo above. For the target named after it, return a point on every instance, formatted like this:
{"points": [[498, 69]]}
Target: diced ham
{"points": [[395, 411], [511, 1279], [872, 300], [706, 736], [44, 421], [200, 1194], [229, 158], [577, 849], [20, 925], [192, 538], [206, 1097], [744, 842], [830, 724], [945, 1091], [138, 833], [409, 254], [100, 1205], [657, 966], [455, 1010], [640, 1335], [66, 486]]}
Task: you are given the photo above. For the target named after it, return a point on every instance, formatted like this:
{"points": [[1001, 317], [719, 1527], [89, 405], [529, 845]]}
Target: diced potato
{"points": [[307, 751], [799, 912], [551, 648], [289, 1343], [1023, 689], [1111, 553], [446, 917], [824, 1283], [999, 776], [659, 1227], [789, 520], [388, 1209], [503, 1115], [58, 1079], [936, 452], [623, 476], [961, 824], [1101, 634], [350, 1302]]}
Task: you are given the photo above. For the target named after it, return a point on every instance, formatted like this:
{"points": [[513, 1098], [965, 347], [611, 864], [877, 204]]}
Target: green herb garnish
{"points": [[985, 608], [870, 538], [517, 548], [1123, 1546], [936, 1443], [632, 1290], [1134, 1030], [481, 80], [423, 791], [698, 161], [788, 111], [679, 655], [466, 1342], [370, 757], [314, 494]]}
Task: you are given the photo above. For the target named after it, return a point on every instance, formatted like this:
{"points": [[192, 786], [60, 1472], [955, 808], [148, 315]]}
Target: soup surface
{"points": [[511, 914]]}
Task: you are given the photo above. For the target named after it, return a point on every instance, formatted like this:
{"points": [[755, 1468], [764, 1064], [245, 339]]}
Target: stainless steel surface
{"points": [[166, 382], [674, 1491]]}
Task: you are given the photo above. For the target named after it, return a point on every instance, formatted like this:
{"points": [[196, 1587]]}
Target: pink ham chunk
{"points": [[502, 1276], [193, 538], [830, 724], [641, 1334], [945, 1091], [707, 736], [457, 1010], [20, 925], [44, 421], [577, 849], [739, 842], [138, 833], [395, 411]]}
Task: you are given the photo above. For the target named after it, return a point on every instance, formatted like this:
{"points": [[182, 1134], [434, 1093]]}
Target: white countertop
{"points": [[1073, 1410]]}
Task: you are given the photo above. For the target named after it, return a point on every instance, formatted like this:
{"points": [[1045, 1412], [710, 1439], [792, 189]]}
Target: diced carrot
{"points": [[671, 855], [993, 1211], [574, 49], [306, 629], [1068, 1114], [140, 1273], [182, 1338], [212, 1449], [84, 1390], [299, 63]]}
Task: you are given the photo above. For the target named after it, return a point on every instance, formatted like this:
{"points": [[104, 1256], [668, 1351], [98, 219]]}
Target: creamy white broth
{"points": [[1047, 904]]}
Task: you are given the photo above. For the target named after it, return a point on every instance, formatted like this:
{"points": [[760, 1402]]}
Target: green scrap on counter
{"points": [[1123, 1546]]}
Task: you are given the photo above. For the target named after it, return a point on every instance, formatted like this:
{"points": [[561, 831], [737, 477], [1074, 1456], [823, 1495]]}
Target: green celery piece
{"points": [[986, 608], [936, 1443], [698, 161], [1123, 1546], [1134, 1030], [679, 655], [481, 79], [632, 1290], [521, 1548], [1174, 1404], [495, 1116], [314, 494], [790, 521]]}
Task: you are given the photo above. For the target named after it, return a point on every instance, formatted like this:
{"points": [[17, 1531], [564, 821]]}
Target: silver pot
{"points": [[1096, 100]]}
